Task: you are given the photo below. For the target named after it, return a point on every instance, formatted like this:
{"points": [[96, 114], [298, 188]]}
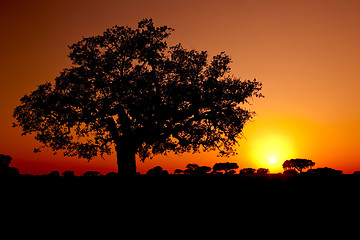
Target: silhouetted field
{"points": [[182, 185], [177, 196]]}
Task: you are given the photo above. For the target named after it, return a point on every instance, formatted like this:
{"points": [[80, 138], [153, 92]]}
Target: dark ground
{"points": [[179, 185], [269, 204]]}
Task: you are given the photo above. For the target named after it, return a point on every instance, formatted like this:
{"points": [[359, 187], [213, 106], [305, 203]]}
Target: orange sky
{"points": [[306, 53]]}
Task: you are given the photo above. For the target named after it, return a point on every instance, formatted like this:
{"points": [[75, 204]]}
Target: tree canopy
{"points": [[194, 169], [127, 90], [227, 167], [297, 164]]}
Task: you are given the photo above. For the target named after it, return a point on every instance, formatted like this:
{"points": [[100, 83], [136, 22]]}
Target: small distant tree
{"points": [[247, 171], [68, 174], [157, 171], [194, 169], [5, 160], [298, 164], [262, 171], [91, 174], [227, 167], [178, 171], [5, 169]]}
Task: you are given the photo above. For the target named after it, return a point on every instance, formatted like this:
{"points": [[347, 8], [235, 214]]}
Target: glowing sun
{"points": [[271, 150], [272, 160]]}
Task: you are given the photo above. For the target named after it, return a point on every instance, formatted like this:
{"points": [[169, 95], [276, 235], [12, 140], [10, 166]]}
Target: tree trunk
{"points": [[126, 151]]}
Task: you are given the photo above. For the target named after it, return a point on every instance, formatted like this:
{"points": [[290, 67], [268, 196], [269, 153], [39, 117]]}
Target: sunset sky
{"points": [[305, 52]]}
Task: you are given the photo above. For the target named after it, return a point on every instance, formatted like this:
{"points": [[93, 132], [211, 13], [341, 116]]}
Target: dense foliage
{"points": [[126, 88]]}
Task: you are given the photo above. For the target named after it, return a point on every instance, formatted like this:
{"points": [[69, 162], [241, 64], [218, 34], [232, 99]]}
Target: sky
{"points": [[306, 53]]}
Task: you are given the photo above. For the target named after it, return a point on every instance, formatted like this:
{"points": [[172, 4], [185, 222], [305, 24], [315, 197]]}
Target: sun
{"points": [[270, 151], [272, 160]]}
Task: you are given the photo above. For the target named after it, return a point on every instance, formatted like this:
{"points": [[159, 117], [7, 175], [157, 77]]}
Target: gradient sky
{"points": [[306, 53]]}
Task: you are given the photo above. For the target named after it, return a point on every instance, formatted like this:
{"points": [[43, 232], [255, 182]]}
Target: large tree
{"points": [[126, 88]]}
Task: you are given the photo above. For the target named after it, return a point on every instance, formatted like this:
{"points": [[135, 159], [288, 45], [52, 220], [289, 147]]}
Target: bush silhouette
{"points": [[68, 174], [157, 171], [178, 171], [91, 174], [324, 171], [54, 174]]}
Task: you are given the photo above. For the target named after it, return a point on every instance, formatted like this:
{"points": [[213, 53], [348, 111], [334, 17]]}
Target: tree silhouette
{"points": [[262, 171], [297, 164], [128, 90], [194, 169], [227, 167], [247, 171], [5, 169]]}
